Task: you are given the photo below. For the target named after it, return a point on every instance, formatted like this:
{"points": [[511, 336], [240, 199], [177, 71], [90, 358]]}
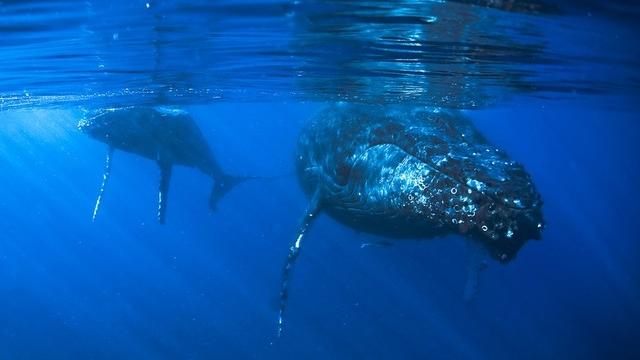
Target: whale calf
{"points": [[167, 136], [413, 173]]}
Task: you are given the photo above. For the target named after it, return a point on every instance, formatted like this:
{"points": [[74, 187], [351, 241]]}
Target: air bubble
{"points": [[454, 191]]}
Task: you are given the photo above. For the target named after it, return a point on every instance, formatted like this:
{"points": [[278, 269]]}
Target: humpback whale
{"points": [[413, 173], [167, 136]]}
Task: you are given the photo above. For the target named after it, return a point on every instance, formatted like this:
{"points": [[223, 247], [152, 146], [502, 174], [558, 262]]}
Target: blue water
{"points": [[557, 88]]}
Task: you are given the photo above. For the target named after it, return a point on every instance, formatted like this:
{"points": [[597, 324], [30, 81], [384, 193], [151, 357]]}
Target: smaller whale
{"points": [[167, 136]]}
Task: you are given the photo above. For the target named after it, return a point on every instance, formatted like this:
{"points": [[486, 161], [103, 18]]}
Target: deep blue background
{"points": [[205, 285], [559, 93]]}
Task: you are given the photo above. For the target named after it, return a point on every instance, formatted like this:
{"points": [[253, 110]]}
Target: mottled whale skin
{"points": [[167, 136], [414, 173]]}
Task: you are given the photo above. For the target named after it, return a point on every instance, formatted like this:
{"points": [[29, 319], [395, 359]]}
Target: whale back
{"points": [[169, 136], [132, 130]]}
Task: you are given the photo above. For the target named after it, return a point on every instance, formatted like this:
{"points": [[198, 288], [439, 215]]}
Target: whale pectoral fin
{"points": [[163, 190], [294, 251], [378, 243], [105, 179], [476, 262]]}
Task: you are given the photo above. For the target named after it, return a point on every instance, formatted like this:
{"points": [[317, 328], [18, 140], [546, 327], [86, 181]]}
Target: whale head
{"points": [[507, 224], [102, 125]]}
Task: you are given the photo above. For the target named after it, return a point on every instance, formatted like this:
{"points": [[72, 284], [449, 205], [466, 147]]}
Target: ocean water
{"points": [[556, 85]]}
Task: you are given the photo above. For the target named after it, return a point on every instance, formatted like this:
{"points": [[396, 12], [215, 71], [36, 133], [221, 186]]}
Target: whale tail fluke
{"points": [[222, 186], [224, 183]]}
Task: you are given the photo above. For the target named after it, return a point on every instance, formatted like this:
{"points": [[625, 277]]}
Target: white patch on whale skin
{"points": [[478, 185], [166, 110]]}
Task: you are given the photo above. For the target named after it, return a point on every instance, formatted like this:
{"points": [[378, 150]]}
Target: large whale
{"points": [[167, 136], [413, 173]]}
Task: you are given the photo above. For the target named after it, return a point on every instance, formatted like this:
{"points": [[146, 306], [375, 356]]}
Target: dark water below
{"points": [[555, 85]]}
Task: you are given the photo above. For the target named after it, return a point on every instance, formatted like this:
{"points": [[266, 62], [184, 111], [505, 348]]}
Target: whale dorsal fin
{"points": [[313, 209], [163, 189]]}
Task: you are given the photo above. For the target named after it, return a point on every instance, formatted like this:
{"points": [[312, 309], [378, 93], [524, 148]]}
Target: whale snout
{"points": [[508, 231], [98, 125], [84, 125], [90, 127]]}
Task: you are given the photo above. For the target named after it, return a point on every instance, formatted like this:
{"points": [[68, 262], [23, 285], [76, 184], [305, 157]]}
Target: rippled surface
{"points": [[446, 53]]}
